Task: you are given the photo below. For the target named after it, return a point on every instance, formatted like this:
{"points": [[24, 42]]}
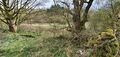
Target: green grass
{"points": [[31, 44], [47, 41], [14, 45]]}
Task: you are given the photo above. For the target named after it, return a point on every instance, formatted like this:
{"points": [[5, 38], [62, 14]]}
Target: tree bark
{"points": [[77, 14], [79, 23], [12, 27]]}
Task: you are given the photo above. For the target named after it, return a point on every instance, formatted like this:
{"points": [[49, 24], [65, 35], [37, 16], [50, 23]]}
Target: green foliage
{"points": [[56, 14], [56, 9]]}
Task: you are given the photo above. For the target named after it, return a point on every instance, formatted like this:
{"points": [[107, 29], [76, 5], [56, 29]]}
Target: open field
{"points": [[31, 43], [59, 28]]}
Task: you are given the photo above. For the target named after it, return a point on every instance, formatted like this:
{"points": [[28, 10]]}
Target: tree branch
{"points": [[85, 15]]}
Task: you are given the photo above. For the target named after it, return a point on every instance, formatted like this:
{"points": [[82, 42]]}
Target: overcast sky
{"points": [[96, 4]]}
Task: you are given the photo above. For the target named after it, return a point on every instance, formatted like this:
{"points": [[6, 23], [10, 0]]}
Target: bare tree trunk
{"points": [[12, 27], [76, 21], [79, 23], [77, 14], [79, 18]]}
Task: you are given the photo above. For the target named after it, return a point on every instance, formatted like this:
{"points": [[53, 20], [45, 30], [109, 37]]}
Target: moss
{"points": [[107, 46]]}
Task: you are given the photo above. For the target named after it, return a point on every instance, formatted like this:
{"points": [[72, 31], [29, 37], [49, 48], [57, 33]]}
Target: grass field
{"points": [[43, 41]]}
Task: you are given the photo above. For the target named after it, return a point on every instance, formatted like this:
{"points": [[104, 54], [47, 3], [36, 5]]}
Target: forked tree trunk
{"points": [[12, 28], [79, 22]]}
